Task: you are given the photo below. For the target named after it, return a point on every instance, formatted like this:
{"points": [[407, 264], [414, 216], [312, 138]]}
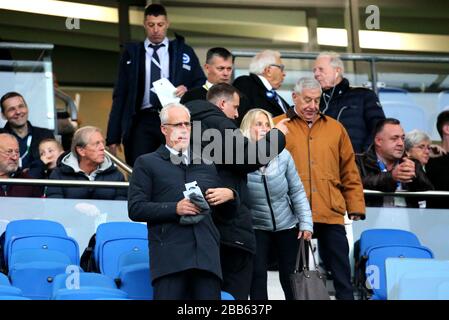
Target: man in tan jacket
{"points": [[325, 161]]}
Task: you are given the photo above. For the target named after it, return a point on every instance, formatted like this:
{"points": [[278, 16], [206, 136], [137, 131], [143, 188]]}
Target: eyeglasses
{"points": [[280, 66], [9, 153], [179, 125], [423, 147]]}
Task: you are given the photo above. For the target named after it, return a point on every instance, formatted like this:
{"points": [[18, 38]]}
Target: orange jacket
{"points": [[325, 161]]}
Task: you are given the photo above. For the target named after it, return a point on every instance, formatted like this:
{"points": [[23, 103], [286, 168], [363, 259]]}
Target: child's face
{"points": [[49, 153]]}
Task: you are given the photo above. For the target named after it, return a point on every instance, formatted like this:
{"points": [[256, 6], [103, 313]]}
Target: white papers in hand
{"points": [[165, 91]]}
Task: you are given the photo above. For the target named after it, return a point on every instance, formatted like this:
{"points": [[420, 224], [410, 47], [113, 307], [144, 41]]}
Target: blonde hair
{"points": [[250, 118]]}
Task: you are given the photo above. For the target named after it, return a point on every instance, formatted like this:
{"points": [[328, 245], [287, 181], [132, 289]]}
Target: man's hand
{"points": [[216, 196], [404, 172], [113, 148], [186, 208], [282, 126], [306, 234], [180, 90]]}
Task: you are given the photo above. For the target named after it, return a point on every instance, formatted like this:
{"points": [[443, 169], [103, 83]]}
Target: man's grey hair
{"points": [[306, 83], [414, 138], [335, 60], [262, 60], [164, 112], [81, 138]]}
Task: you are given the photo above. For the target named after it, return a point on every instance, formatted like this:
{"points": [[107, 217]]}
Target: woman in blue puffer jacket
{"points": [[280, 209]]}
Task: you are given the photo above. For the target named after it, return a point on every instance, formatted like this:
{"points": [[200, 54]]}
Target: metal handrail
{"points": [[119, 162], [64, 183], [112, 184], [26, 46], [371, 58], [352, 56]]}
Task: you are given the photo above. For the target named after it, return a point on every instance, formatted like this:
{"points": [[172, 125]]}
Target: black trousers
{"points": [[237, 267], [334, 251], [286, 245], [192, 284], [145, 135]]}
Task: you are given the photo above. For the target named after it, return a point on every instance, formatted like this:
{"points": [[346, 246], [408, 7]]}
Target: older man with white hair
{"points": [[357, 108], [325, 161], [87, 161], [183, 239], [258, 89]]}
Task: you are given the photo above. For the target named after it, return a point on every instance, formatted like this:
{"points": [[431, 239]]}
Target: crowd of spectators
{"points": [[331, 144]]}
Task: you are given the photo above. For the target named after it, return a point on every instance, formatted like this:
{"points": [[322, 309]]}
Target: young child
{"points": [[49, 151]]}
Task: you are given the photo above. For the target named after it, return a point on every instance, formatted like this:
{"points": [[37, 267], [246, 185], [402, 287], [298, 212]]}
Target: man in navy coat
{"points": [[134, 119], [183, 240]]}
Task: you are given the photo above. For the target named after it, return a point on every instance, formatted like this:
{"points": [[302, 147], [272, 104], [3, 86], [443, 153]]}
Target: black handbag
{"points": [[307, 284]]}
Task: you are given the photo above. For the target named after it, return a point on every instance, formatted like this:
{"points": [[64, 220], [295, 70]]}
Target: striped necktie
{"points": [[155, 72]]}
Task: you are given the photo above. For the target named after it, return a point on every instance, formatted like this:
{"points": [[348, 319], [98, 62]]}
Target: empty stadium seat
{"points": [[116, 238], [375, 265], [411, 115], [417, 279], [378, 237], [27, 227], [134, 275], [36, 251], [85, 286]]}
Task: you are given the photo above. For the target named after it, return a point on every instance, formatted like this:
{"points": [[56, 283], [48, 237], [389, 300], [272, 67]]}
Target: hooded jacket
{"points": [[68, 169]]}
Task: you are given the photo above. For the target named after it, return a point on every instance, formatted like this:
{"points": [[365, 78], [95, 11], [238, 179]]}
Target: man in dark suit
{"points": [[258, 89], [238, 158], [15, 111], [183, 240], [218, 66], [134, 119]]}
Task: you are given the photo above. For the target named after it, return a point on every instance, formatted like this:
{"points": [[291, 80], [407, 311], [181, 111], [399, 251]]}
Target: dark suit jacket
{"points": [[194, 94], [156, 187], [254, 95], [185, 69], [238, 159]]}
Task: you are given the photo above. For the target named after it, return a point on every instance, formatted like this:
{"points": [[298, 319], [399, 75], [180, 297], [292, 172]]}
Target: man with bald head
{"points": [[9, 168]]}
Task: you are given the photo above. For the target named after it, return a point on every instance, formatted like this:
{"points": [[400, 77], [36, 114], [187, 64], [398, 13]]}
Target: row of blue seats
{"points": [[393, 264], [36, 251], [40, 259]]}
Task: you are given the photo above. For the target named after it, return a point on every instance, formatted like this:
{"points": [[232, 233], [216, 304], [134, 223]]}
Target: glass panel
{"points": [[32, 79]]}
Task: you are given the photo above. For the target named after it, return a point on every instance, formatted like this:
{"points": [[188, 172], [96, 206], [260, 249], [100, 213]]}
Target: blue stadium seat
{"points": [[90, 293], [121, 252], [375, 265], [114, 239], [35, 279], [379, 237], [417, 279], [5, 297], [28, 227], [411, 115], [6, 289], [226, 296], [85, 286]]}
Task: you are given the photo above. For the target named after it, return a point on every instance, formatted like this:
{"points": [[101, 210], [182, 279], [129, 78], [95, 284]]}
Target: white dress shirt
{"points": [[164, 59], [269, 87]]}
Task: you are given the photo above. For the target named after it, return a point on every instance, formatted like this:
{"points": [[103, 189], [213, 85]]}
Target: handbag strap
{"points": [[302, 254]]}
